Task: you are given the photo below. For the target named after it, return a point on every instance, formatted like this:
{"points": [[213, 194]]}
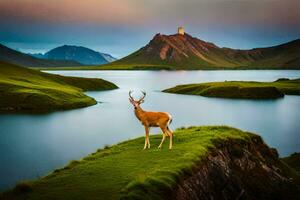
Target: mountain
{"points": [[186, 52], [15, 57], [80, 54], [37, 55], [108, 57]]}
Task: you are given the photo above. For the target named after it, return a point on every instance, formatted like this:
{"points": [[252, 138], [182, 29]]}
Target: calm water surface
{"points": [[33, 145]]}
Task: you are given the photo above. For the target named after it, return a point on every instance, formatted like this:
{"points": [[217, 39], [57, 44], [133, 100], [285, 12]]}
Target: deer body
{"points": [[152, 119]]}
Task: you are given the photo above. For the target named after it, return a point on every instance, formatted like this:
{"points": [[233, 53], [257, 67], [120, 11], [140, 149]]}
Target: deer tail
{"points": [[169, 122], [170, 119]]}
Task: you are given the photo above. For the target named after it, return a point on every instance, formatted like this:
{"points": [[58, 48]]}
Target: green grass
{"points": [[293, 161], [23, 89], [125, 170], [240, 89]]}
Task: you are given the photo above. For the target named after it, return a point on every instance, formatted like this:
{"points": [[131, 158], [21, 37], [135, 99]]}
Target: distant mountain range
{"points": [[79, 54], [166, 52], [18, 58], [187, 52]]}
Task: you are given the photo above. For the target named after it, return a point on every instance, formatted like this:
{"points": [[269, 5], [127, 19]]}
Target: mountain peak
{"points": [[80, 54], [31, 60], [177, 47], [183, 51]]}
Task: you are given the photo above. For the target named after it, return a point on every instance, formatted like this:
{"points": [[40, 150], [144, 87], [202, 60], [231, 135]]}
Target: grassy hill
{"points": [[126, 171], [293, 161], [240, 89], [189, 53], [23, 89], [15, 57]]}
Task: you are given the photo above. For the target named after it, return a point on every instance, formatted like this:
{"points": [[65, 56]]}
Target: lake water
{"points": [[33, 145]]}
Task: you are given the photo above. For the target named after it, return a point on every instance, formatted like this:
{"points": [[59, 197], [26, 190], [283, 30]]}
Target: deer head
{"points": [[136, 103]]}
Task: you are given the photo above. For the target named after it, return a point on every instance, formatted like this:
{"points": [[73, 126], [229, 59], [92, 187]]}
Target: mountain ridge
{"points": [[18, 58], [79, 54], [187, 52]]}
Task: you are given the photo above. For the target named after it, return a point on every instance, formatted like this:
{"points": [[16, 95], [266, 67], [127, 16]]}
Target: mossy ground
{"points": [[126, 171], [23, 89], [241, 89]]}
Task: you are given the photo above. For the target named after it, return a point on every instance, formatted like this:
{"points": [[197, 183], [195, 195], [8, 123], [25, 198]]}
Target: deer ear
{"points": [[142, 101]]}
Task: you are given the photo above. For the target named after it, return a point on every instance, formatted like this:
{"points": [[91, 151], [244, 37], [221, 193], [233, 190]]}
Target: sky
{"points": [[120, 27]]}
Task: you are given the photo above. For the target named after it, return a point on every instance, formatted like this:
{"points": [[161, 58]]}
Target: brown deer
{"points": [[152, 119]]}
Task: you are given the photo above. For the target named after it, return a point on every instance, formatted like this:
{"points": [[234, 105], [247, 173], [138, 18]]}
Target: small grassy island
{"points": [[125, 171], [241, 89], [27, 90]]}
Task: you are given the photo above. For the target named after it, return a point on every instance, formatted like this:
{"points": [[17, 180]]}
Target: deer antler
{"points": [[143, 97], [130, 95]]}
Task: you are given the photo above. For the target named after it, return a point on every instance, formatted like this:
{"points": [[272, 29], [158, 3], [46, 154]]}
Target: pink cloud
{"points": [[70, 11]]}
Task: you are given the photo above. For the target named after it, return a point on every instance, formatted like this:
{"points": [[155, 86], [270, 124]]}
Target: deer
{"points": [[152, 119]]}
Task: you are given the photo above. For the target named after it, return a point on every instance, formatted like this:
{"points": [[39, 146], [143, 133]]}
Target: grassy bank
{"points": [[23, 89], [125, 170], [293, 161], [110, 66], [154, 67], [241, 89]]}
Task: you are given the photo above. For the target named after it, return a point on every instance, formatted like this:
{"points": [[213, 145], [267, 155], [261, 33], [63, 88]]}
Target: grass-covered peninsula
{"points": [[126, 171], [27, 90], [125, 168], [240, 89]]}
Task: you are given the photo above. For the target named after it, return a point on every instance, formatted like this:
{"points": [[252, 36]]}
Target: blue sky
{"points": [[120, 27]]}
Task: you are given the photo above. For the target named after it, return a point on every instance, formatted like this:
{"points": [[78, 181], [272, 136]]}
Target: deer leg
{"points": [[162, 141], [169, 132], [171, 137], [171, 140], [165, 133], [146, 136]]}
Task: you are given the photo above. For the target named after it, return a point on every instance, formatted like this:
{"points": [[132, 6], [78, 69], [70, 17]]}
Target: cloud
{"points": [[154, 12], [70, 11], [227, 12], [126, 25]]}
